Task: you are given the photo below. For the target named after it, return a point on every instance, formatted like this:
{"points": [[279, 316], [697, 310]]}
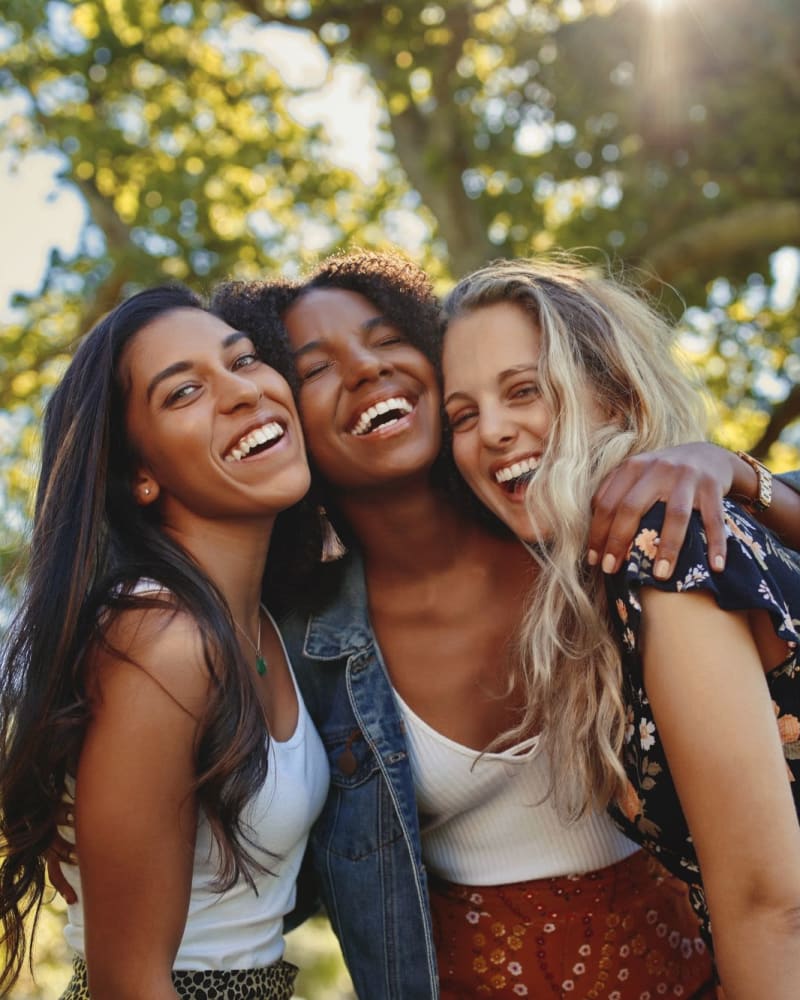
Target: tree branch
{"points": [[764, 225], [784, 414]]}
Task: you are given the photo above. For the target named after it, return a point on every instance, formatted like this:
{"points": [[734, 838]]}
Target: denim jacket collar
{"points": [[343, 627]]}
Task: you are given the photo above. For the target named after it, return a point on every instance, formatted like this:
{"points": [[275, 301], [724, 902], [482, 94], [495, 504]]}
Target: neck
{"points": [[233, 555], [407, 528]]}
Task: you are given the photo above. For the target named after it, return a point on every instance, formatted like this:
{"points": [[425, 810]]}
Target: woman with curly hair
{"points": [[143, 678], [654, 696]]}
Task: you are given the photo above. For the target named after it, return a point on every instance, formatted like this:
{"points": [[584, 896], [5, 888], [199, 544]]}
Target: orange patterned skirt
{"points": [[626, 932]]}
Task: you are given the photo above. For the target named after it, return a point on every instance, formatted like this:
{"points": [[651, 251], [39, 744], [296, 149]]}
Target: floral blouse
{"points": [[760, 573]]}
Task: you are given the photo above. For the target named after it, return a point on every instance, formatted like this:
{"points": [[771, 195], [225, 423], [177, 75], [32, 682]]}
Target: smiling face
{"points": [[215, 431], [500, 422], [369, 400]]}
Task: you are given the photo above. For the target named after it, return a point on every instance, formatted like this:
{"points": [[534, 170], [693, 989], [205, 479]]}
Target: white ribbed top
{"points": [[482, 816]]}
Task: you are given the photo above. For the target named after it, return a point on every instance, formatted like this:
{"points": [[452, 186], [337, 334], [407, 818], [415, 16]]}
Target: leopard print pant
{"points": [[275, 982]]}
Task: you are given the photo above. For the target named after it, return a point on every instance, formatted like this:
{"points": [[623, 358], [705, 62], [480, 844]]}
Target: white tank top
{"points": [[483, 820], [242, 928]]}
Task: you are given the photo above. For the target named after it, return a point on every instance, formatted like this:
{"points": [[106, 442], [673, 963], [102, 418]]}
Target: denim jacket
{"points": [[365, 847]]}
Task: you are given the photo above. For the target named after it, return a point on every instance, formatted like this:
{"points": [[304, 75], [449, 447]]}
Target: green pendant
{"points": [[261, 665]]}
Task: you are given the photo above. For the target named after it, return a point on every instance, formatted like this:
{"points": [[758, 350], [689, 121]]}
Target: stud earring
{"points": [[146, 491]]}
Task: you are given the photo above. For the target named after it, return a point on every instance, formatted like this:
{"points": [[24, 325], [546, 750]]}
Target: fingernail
{"points": [[718, 563], [609, 563], [661, 570], [592, 557]]}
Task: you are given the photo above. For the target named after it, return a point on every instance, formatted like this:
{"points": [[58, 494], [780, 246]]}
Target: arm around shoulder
{"points": [[135, 812]]}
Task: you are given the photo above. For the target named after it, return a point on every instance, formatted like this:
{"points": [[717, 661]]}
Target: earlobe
{"points": [[145, 490]]}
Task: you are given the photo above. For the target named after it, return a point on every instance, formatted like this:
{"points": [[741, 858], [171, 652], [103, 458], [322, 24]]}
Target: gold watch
{"points": [[763, 497]]}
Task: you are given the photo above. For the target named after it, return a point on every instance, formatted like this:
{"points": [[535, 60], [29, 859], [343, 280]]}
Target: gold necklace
{"points": [[261, 663]]}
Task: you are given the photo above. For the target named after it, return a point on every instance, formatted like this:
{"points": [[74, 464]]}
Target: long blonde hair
{"points": [[600, 341]]}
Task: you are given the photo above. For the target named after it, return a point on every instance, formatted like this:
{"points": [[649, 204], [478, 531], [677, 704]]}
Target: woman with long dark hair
{"points": [[143, 679]]}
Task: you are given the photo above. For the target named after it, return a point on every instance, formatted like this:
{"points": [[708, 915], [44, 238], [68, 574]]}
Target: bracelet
{"points": [[763, 497]]}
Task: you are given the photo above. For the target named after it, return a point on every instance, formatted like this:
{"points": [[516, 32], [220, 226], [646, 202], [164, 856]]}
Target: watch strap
{"points": [[763, 497]]}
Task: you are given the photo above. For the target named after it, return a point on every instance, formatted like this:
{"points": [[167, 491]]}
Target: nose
{"points": [[495, 428], [363, 364], [238, 390]]}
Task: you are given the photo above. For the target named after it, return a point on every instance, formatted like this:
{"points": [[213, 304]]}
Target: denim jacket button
{"points": [[347, 762]]}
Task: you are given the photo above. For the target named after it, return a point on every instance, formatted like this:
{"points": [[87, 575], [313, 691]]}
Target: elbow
{"points": [[769, 897], [786, 919], [778, 911]]}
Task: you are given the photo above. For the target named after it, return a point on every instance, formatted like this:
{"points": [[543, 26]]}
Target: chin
{"points": [[519, 523]]}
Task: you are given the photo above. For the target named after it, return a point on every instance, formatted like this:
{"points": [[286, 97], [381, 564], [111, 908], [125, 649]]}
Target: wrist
{"points": [[752, 483]]}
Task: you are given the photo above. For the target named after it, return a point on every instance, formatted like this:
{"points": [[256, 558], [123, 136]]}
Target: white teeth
{"points": [[396, 403], [516, 470], [261, 435]]}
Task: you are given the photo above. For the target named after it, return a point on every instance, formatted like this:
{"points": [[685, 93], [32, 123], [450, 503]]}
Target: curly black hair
{"points": [[396, 286]]}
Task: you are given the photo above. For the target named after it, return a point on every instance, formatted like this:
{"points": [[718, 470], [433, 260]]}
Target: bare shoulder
{"points": [[153, 649]]}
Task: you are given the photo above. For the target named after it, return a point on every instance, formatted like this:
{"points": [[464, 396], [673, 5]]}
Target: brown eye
{"points": [[528, 391], [245, 361], [183, 392]]}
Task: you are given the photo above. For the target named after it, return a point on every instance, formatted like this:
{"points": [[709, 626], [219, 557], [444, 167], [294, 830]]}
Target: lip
{"points": [[382, 397], [253, 425]]}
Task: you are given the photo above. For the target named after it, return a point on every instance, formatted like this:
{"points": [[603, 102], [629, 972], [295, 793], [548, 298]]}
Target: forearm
{"points": [[758, 953], [783, 517]]}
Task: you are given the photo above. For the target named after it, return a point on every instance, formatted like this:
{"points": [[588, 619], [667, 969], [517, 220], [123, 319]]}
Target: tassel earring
{"points": [[333, 547]]}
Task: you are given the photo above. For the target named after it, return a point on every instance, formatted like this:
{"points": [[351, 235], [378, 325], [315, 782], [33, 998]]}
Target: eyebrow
{"points": [[316, 345], [502, 376], [185, 366]]}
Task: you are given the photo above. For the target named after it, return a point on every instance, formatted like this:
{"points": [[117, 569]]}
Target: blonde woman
{"points": [[655, 697]]}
